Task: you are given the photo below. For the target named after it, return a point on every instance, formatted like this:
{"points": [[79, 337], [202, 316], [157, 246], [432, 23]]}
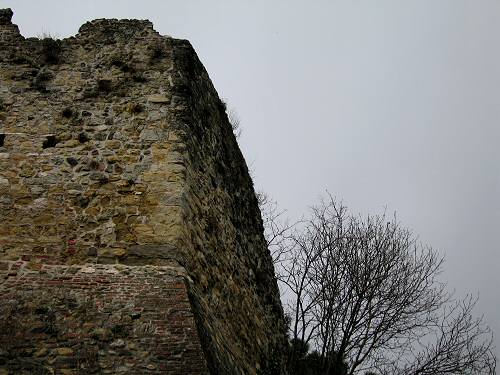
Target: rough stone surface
{"points": [[116, 149], [97, 319]]}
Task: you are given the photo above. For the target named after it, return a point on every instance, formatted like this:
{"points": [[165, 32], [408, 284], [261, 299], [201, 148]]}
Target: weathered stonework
{"points": [[97, 319], [116, 155]]}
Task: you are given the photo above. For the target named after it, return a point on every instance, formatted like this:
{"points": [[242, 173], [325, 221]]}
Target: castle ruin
{"points": [[130, 235]]}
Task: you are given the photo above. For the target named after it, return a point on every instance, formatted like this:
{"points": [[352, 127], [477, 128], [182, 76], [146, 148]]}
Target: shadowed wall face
{"points": [[115, 148]]}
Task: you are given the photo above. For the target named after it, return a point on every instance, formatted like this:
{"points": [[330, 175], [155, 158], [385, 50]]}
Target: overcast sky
{"points": [[382, 103]]}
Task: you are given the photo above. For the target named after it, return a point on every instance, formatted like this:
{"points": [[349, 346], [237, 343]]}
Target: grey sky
{"points": [[386, 103]]}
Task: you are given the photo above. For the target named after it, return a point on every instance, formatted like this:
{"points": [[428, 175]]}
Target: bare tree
{"points": [[277, 228], [365, 291]]}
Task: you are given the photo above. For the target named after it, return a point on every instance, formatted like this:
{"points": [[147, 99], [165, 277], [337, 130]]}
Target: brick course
{"points": [[97, 319]]}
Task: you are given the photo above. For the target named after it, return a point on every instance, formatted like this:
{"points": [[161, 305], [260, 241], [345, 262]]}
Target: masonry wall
{"points": [[89, 162], [115, 149], [97, 319], [222, 233]]}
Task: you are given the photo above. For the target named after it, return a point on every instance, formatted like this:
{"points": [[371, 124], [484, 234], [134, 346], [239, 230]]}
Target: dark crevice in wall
{"points": [[50, 141], [67, 112], [2, 140], [82, 138]]}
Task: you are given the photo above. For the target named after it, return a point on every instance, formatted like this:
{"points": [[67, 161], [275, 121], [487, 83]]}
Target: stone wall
{"points": [[115, 149], [97, 319]]}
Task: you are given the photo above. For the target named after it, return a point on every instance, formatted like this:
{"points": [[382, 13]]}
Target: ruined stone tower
{"points": [[130, 235]]}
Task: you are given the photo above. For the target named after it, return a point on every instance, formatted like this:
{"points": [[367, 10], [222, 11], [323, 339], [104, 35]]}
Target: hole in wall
{"points": [[94, 165], [82, 138], [2, 140], [104, 85], [67, 112], [72, 161], [50, 141]]}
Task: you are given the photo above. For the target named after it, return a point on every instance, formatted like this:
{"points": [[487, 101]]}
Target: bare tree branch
{"points": [[366, 291]]}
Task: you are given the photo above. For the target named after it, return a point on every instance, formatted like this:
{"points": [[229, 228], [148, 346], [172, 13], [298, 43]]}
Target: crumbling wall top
{"points": [[6, 16], [99, 29], [125, 28], [9, 33]]}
